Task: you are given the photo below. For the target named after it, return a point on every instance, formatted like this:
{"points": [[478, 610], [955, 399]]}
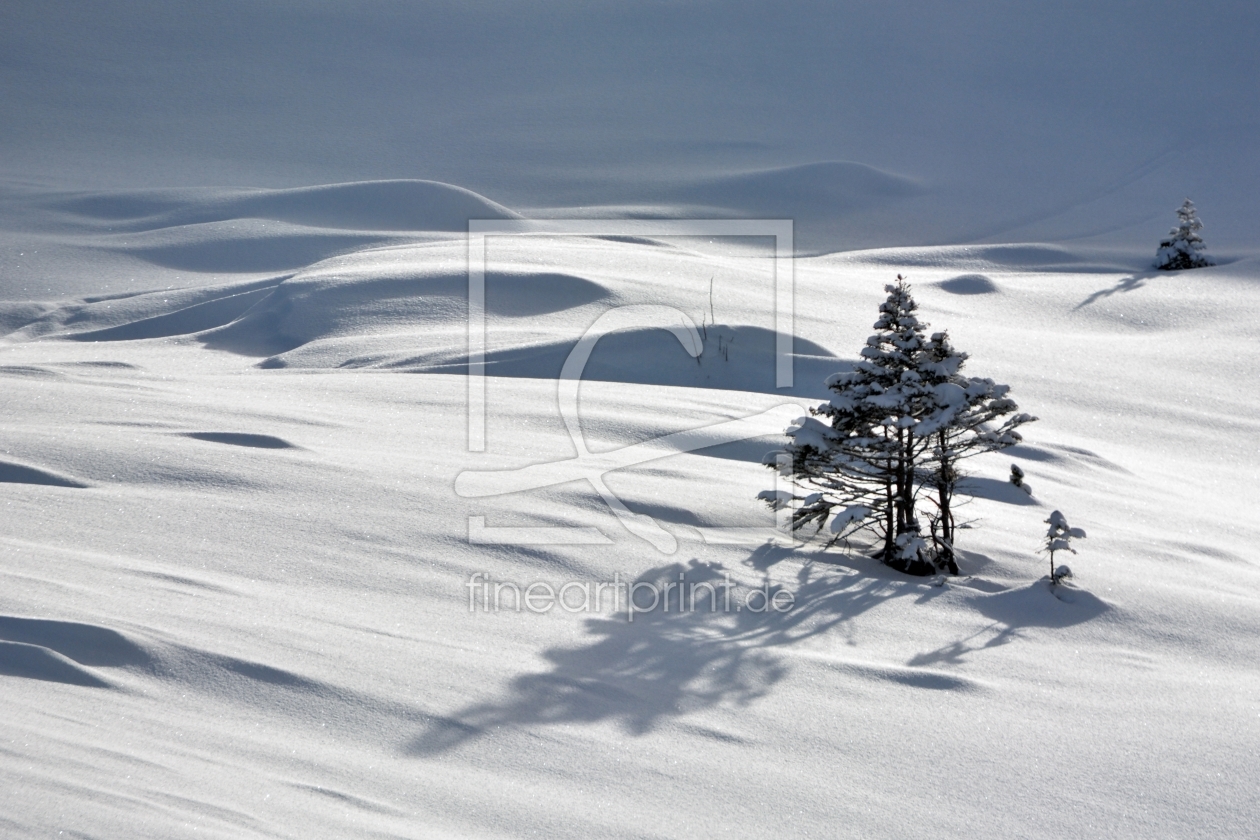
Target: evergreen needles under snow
{"points": [[1183, 247], [889, 444], [1059, 538]]}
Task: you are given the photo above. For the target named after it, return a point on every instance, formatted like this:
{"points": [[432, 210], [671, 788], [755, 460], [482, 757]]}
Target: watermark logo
{"points": [[593, 466], [634, 597]]}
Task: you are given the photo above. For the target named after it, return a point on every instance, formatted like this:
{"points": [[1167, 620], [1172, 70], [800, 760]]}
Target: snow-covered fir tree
{"points": [[898, 425], [1183, 247], [970, 416], [859, 460], [1059, 538]]}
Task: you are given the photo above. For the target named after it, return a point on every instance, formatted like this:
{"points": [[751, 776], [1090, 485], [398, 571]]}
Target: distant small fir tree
{"points": [[1183, 247]]}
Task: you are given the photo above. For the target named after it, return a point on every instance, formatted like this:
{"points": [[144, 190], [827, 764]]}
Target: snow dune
{"points": [[212, 233], [22, 474], [370, 206], [245, 598], [242, 528], [378, 306]]}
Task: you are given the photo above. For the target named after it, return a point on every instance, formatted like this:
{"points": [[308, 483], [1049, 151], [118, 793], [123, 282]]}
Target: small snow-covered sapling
{"points": [[1017, 478], [1183, 246], [1059, 538]]}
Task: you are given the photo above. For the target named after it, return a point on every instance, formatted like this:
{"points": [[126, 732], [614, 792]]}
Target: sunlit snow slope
{"points": [[239, 509], [235, 562]]}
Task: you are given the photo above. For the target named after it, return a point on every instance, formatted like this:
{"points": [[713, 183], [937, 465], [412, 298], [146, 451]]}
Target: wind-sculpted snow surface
{"points": [[23, 474], [405, 307], [368, 206], [937, 123], [237, 558], [404, 297], [215, 232], [260, 578]]}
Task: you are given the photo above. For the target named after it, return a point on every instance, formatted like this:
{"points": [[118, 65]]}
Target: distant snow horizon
{"points": [[901, 123]]}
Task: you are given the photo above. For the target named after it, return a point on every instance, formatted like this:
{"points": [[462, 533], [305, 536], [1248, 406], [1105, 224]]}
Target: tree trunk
{"points": [[947, 481], [905, 481], [947, 528], [890, 529]]}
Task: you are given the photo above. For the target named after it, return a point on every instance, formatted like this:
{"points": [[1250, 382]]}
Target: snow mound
{"points": [[86, 644], [64, 651], [34, 662], [979, 487], [823, 189], [242, 245], [140, 315], [969, 284], [251, 231], [1038, 605], [242, 439], [191, 319], [11, 473], [979, 258], [734, 358], [407, 298], [394, 205]]}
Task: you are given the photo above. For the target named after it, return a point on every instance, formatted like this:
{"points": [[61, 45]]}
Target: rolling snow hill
{"points": [[250, 522]]}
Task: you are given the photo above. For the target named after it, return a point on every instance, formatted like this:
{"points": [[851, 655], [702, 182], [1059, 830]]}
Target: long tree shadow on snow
{"points": [[1128, 284], [1013, 610], [666, 664]]}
